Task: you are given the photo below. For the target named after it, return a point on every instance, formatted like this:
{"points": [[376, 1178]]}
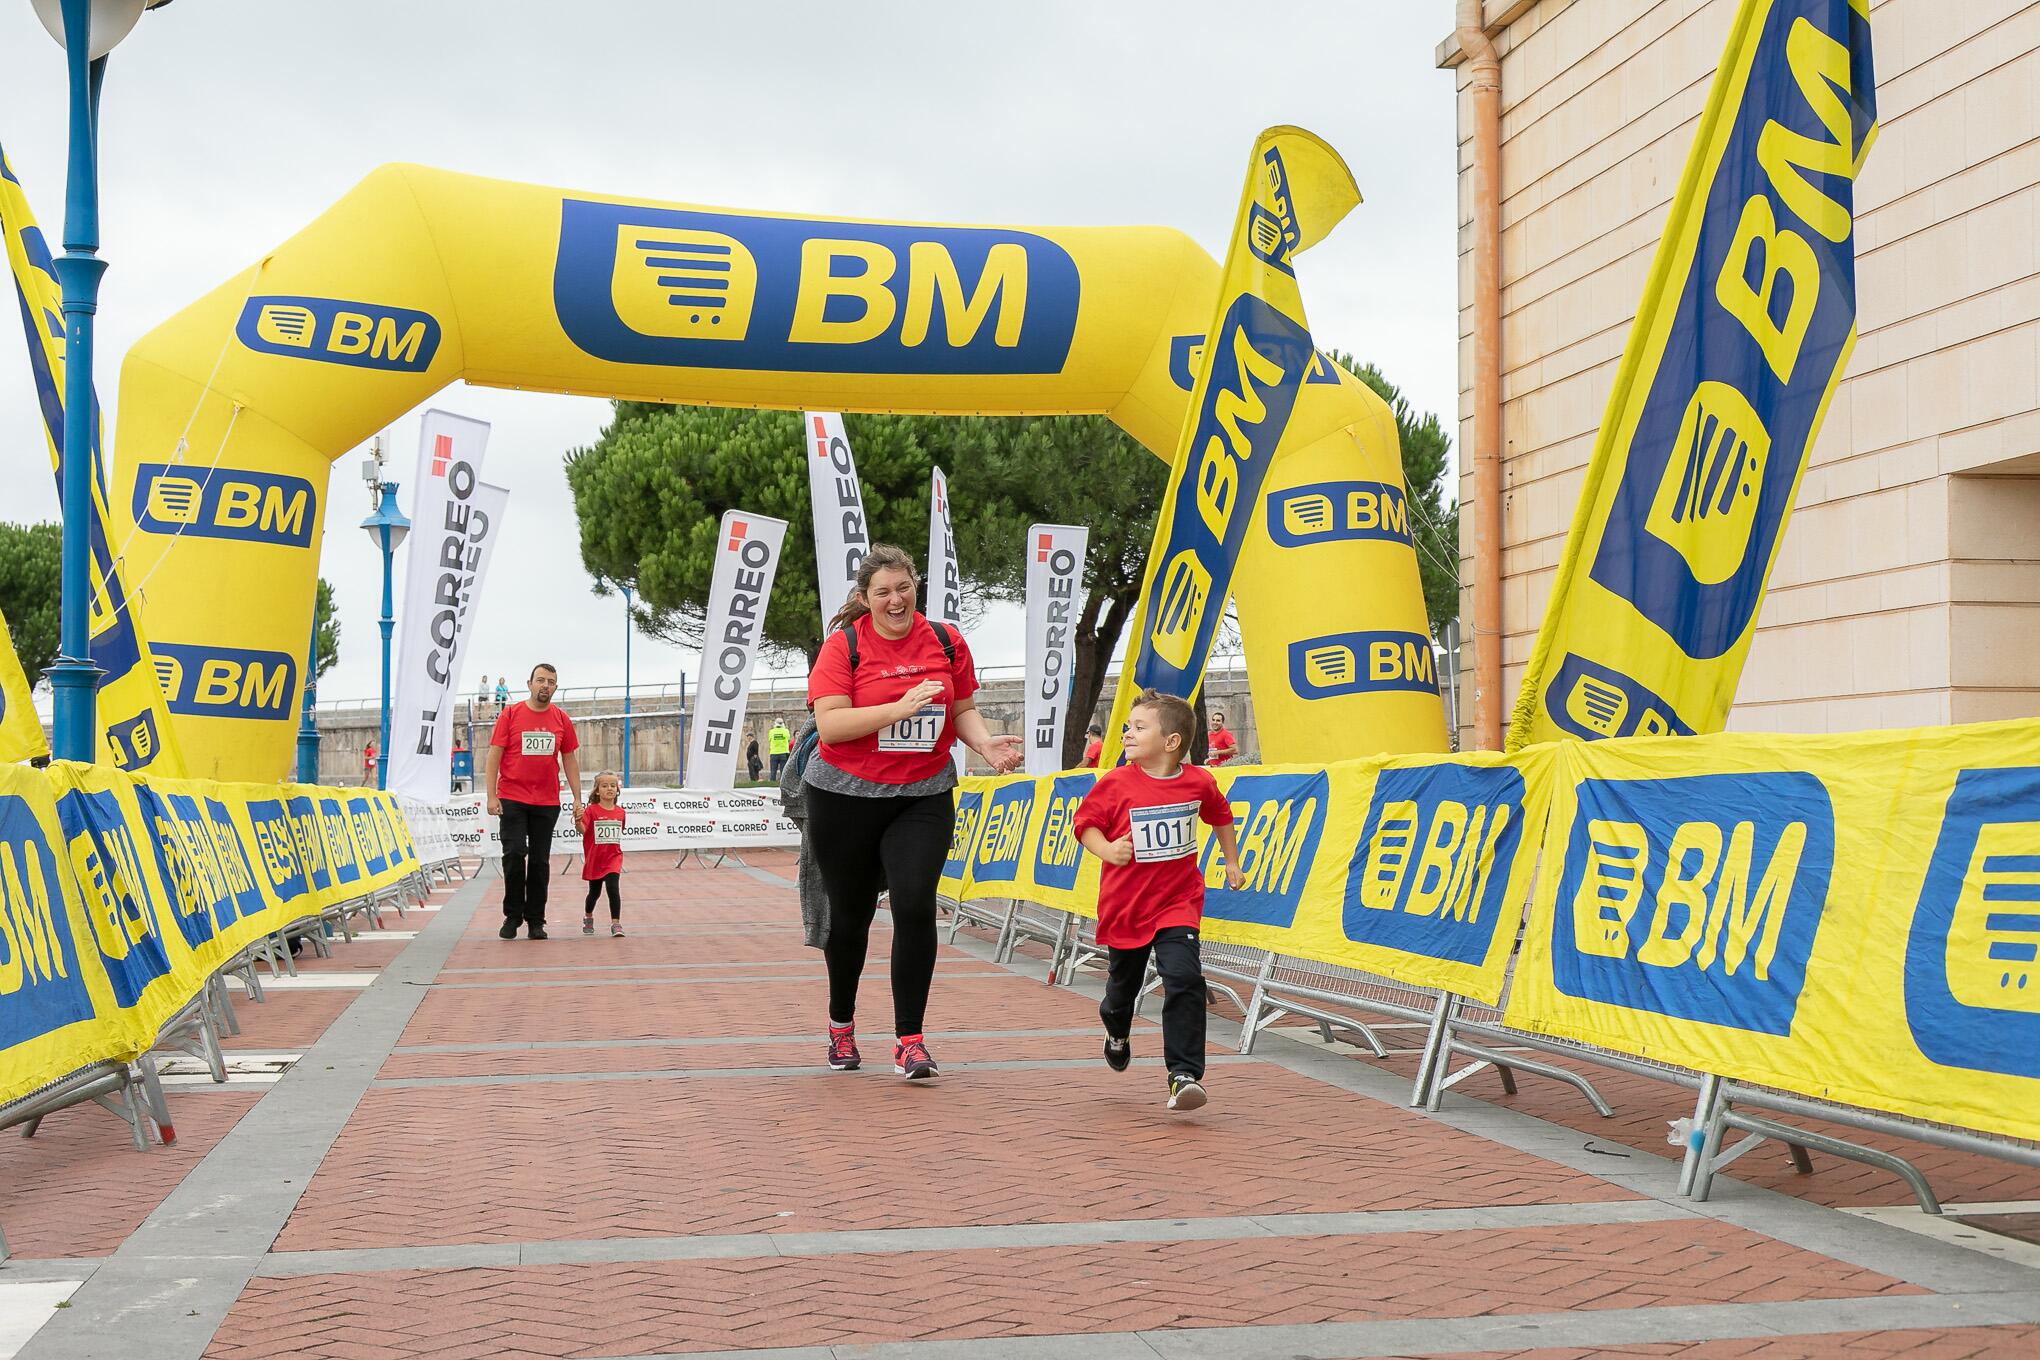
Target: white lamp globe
{"points": [[109, 21]]}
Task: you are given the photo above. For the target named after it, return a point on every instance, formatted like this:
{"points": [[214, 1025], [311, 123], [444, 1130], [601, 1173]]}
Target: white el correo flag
{"points": [[746, 558], [841, 536], [450, 532], [944, 587], [1055, 580]]}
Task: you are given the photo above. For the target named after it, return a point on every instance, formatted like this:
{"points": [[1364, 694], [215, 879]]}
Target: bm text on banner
{"points": [[1257, 352], [1743, 332], [1855, 917], [134, 717]]}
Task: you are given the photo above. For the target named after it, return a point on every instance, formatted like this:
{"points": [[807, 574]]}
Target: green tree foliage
{"points": [[650, 491], [326, 626], [1434, 524], [31, 557]]}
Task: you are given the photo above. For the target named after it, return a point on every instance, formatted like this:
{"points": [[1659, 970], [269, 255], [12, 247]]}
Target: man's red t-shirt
{"points": [[1091, 750], [1224, 746], [532, 742], [914, 748], [601, 841], [1162, 886]]}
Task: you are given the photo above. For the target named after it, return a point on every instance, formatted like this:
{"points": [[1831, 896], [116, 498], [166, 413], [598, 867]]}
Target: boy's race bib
{"points": [[1163, 833], [608, 832], [539, 743], [917, 734]]}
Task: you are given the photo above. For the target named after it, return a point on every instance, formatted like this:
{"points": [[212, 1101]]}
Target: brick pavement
{"points": [[632, 1151]]}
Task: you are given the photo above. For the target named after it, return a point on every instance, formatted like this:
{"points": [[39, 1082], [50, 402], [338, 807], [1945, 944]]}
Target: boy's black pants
{"points": [[1182, 969]]}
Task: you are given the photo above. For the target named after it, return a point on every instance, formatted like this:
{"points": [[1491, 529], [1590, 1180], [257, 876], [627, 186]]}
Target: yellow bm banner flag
{"points": [[1743, 332], [1852, 917], [1414, 867], [21, 734]]}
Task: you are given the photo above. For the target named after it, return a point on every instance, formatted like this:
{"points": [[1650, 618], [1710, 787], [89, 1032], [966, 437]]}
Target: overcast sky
{"points": [[229, 124]]}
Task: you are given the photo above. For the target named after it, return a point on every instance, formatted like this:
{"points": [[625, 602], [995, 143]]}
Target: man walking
{"points": [[781, 742], [531, 742]]}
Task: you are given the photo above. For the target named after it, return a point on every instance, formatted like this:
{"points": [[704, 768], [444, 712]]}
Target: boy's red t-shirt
{"points": [[1162, 886], [532, 742], [914, 748], [601, 841]]}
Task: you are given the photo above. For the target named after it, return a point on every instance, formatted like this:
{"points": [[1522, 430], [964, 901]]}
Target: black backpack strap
{"points": [[943, 636], [849, 632]]}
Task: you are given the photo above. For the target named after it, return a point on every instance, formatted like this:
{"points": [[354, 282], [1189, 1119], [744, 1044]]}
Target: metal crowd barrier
{"points": [[1348, 1000]]}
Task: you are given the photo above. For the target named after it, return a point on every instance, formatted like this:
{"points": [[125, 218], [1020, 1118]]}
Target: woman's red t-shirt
{"points": [[915, 748], [1162, 886], [601, 841]]}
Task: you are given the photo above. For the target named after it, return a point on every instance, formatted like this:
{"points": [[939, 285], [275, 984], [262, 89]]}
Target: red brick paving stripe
{"points": [[78, 1188], [1961, 1343], [610, 1309], [289, 1021], [807, 1053], [709, 1008], [840, 1151], [1644, 1107]]}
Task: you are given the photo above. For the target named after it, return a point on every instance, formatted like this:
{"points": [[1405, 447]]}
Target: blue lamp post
{"points": [[628, 629], [387, 527], [87, 30]]}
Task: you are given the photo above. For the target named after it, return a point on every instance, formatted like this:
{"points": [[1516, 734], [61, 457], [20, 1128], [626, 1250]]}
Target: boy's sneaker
{"points": [[1118, 1053], [910, 1059], [843, 1054], [1185, 1092], [587, 925], [615, 930]]}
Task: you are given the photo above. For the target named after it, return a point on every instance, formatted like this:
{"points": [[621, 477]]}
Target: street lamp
{"points": [[628, 629], [87, 30], [386, 527]]}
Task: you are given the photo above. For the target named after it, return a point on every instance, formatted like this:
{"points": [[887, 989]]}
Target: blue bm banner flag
{"points": [[1257, 356], [1742, 333]]}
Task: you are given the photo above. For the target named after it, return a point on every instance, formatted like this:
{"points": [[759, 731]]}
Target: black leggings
{"points": [[595, 887], [857, 842]]}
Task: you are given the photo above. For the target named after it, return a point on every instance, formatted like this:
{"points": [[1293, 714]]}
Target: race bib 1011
{"points": [[539, 743], [917, 734], [1163, 833]]}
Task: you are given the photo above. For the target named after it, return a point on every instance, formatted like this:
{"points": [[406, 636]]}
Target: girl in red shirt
{"points": [[1141, 819], [892, 694], [602, 852]]}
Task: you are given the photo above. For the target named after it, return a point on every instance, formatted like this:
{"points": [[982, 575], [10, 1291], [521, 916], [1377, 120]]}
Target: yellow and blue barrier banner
{"points": [[1744, 329], [21, 734], [135, 731], [1415, 868], [360, 318], [1854, 917], [1257, 352], [121, 894]]}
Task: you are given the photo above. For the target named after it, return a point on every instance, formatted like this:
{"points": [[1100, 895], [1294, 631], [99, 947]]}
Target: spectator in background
{"points": [[780, 741], [1093, 745], [482, 698], [754, 762], [368, 755], [1223, 745], [502, 692]]}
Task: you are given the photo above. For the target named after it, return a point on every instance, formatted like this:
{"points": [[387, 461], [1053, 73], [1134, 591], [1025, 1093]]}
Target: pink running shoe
{"points": [[843, 1055], [910, 1059]]}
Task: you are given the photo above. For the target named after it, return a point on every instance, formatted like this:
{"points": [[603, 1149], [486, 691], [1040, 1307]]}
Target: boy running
{"points": [[1141, 819]]}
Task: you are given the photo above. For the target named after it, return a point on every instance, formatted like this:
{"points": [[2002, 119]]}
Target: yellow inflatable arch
{"points": [[418, 277]]}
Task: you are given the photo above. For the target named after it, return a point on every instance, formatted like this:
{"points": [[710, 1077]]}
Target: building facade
{"points": [[1907, 588]]}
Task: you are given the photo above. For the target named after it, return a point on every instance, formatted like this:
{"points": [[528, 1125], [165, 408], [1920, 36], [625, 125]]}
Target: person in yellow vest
{"points": [[779, 741]]}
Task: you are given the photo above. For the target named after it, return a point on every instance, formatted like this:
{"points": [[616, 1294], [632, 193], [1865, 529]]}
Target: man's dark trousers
{"points": [[1183, 995], [527, 831]]}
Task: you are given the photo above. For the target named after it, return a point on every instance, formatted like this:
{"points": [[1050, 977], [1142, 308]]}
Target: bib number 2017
{"points": [[608, 833], [917, 734], [538, 743], [1164, 833]]}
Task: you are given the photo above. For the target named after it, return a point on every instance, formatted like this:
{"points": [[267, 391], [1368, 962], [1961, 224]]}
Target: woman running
{"points": [[891, 694]]}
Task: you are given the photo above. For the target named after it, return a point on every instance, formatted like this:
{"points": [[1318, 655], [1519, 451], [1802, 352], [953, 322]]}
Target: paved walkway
{"points": [[626, 1148]]}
